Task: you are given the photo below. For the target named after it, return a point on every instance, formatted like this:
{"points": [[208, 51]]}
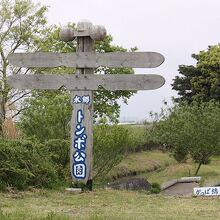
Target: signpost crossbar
{"points": [[88, 59], [87, 81]]}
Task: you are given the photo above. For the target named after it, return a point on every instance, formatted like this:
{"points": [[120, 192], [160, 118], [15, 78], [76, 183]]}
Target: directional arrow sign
{"points": [[87, 81], [88, 59]]}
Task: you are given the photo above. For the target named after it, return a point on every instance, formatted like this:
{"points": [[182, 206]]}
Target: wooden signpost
{"points": [[83, 83]]}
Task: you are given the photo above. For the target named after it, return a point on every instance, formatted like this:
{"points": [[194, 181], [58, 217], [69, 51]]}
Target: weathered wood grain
{"points": [[87, 123], [84, 44], [87, 81], [87, 59]]}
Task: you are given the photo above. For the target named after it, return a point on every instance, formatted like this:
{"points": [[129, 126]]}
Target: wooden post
{"points": [[81, 153]]}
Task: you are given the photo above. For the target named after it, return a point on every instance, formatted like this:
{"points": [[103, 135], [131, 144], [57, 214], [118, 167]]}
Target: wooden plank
{"points": [[87, 59], [81, 151], [87, 81], [82, 102]]}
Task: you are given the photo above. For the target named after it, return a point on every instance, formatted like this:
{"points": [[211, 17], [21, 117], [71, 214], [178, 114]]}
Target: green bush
{"points": [[23, 164], [59, 151], [155, 188], [190, 131], [110, 144], [33, 163]]}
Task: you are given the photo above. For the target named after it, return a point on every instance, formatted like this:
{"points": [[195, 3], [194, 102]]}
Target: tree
{"points": [[47, 116], [191, 130], [22, 28], [200, 83], [41, 111]]}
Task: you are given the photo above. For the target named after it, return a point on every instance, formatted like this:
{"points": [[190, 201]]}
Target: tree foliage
{"points": [[22, 28], [201, 82], [41, 110], [190, 130], [110, 145], [26, 163], [47, 116]]}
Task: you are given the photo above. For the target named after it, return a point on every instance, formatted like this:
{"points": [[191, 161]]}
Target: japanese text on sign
{"points": [[81, 99], [207, 191], [79, 144]]}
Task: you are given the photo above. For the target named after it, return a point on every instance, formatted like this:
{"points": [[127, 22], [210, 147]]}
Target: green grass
{"points": [[138, 136], [112, 204], [141, 162], [160, 167], [210, 173], [106, 204]]}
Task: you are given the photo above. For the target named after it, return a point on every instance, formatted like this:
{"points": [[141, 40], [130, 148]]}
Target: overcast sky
{"points": [[174, 28]]}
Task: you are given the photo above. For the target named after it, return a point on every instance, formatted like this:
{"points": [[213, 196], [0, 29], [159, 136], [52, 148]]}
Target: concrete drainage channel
{"points": [[182, 186]]}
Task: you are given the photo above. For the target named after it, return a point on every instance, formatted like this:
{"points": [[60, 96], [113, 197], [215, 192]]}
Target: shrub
{"points": [[110, 144], [24, 164], [155, 188], [191, 130], [33, 163], [59, 151]]}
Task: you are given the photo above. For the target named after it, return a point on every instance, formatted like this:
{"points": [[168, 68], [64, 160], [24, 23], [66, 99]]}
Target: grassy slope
{"points": [[141, 162], [110, 204], [160, 167], [210, 173]]}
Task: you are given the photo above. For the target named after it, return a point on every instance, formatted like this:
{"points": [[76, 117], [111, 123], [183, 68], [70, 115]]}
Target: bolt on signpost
{"points": [[83, 83]]}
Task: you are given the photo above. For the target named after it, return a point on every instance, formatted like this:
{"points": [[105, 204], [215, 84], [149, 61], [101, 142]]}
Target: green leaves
{"points": [[47, 116], [22, 8], [109, 143], [191, 130], [22, 28], [201, 82], [23, 164]]}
